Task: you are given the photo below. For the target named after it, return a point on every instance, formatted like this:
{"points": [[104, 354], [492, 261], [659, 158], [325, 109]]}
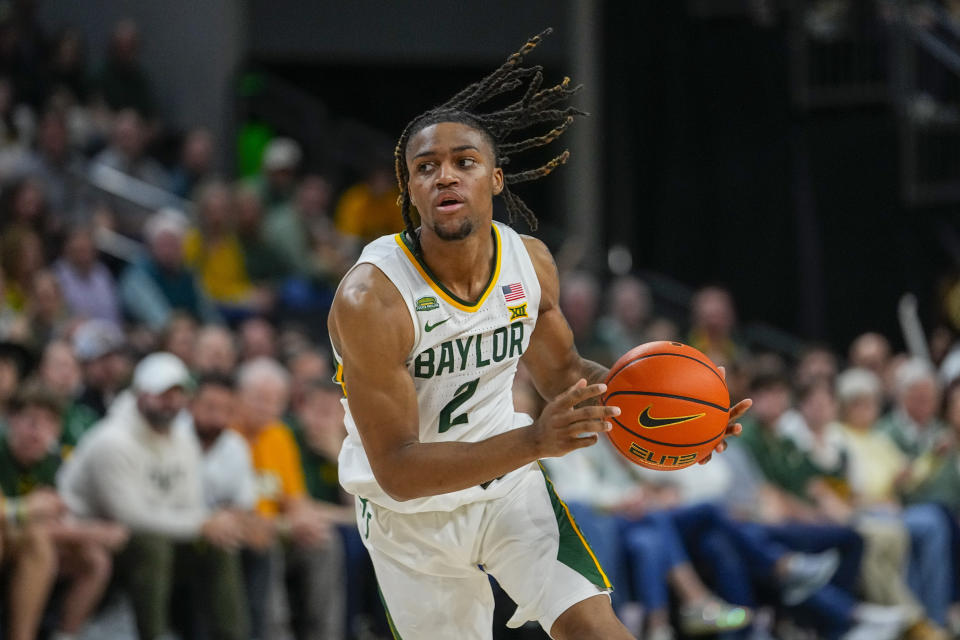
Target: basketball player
{"points": [[428, 329]]}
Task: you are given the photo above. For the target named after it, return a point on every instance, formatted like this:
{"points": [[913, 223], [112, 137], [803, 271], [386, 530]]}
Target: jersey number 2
{"points": [[464, 392]]}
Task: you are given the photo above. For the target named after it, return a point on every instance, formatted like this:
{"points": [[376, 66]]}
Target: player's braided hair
{"points": [[535, 106]]}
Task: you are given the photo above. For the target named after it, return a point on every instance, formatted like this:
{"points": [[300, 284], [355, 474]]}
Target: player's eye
{"points": [[467, 162], [424, 167]]}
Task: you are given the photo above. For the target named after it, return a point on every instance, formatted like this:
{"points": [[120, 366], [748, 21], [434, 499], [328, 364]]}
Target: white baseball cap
{"points": [[159, 372], [280, 154]]}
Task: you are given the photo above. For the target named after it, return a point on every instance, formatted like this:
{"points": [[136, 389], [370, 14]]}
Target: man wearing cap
{"points": [[281, 163], [133, 468]]}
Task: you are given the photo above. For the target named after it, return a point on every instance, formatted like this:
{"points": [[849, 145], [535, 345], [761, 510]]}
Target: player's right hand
{"points": [[564, 426]]}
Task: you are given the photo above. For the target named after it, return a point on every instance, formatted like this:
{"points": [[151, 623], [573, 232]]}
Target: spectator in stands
{"points": [[309, 547], [21, 257], [59, 370], [57, 167], [158, 284], [127, 151], [870, 351], [88, 286], [641, 535], [303, 233], [628, 313], [180, 337], [317, 424], [46, 309], [13, 323], [23, 56], [307, 368], [936, 475], [913, 424], [67, 70], [264, 264], [14, 366], [122, 83], [813, 431], [43, 542], [214, 351], [214, 252], [579, 299], [279, 172], [877, 469], [99, 346], [258, 339], [135, 469], [817, 362], [369, 209], [712, 325], [196, 163], [228, 483], [24, 205]]}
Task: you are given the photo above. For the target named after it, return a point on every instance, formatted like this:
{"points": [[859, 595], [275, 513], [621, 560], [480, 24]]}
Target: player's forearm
{"points": [[593, 371], [422, 469]]}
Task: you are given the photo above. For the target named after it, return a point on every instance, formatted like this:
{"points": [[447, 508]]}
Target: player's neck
{"points": [[462, 266]]}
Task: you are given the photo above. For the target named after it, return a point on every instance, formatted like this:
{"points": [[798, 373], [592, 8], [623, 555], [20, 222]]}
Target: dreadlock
{"points": [[536, 106]]}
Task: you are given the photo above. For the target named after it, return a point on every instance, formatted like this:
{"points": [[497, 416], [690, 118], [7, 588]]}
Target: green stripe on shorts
{"points": [[393, 627], [574, 550]]}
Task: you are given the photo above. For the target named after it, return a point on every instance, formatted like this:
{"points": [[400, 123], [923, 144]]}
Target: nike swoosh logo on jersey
{"points": [[648, 422], [430, 327]]}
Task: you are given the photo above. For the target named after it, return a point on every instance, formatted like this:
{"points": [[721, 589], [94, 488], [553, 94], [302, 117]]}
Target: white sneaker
{"points": [[807, 572], [874, 631]]}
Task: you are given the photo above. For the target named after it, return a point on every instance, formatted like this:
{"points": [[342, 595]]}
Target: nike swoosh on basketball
{"points": [[430, 327], [649, 422]]}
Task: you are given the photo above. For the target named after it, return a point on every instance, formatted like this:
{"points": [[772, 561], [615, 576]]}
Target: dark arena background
{"points": [[774, 182]]}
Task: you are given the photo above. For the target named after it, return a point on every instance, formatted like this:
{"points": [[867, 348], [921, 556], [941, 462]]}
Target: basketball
{"points": [[673, 405]]}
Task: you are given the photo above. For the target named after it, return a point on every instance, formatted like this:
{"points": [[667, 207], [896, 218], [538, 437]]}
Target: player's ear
{"points": [[497, 181]]}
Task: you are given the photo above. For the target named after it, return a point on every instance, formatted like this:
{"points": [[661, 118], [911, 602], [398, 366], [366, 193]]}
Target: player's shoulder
{"points": [[542, 259], [366, 289], [368, 308]]}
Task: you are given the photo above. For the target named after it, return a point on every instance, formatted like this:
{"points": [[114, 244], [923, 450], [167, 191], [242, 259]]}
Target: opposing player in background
{"points": [[428, 329]]}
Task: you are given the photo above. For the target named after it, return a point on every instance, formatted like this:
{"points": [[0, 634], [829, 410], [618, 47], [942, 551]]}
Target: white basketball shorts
{"points": [[432, 567]]}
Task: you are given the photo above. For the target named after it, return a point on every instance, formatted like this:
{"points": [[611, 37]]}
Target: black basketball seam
{"points": [[664, 395], [669, 444], [651, 355]]}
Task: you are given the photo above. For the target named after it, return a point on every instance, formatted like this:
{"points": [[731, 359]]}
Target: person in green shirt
{"points": [[317, 425], [41, 542]]}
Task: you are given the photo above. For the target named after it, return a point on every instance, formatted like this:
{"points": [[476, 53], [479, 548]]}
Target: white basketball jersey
{"points": [[463, 360]]}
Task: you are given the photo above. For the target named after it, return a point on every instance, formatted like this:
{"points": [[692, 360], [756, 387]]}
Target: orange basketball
{"points": [[673, 405]]}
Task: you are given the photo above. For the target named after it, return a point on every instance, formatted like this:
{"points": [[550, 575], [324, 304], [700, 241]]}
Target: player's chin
{"points": [[453, 227]]}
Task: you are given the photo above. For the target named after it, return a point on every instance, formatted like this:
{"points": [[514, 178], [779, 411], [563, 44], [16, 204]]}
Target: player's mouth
{"points": [[448, 201]]}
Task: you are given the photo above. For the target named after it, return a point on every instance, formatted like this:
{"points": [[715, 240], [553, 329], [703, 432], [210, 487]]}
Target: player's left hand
{"points": [[733, 427]]}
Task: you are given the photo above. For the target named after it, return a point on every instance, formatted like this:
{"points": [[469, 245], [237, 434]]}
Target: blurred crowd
{"points": [[169, 428], [835, 514]]}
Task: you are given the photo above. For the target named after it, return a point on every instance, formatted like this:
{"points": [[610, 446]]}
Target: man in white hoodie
{"points": [[134, 469]]}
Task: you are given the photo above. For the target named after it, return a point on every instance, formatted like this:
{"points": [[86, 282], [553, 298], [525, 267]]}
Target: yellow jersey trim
{"points": [[441, 290], [606, 580]]}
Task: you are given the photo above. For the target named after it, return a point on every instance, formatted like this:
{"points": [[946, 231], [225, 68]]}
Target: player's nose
{"points": [[447, 175]]}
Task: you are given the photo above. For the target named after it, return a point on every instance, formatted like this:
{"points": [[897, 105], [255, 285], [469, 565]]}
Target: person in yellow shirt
{"points": [[290, 530], [369, 209], [213, 251], [876, 472]]}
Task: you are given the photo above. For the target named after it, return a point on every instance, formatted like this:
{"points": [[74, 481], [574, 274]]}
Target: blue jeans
{"points": [[930, 574], [740, 556]]}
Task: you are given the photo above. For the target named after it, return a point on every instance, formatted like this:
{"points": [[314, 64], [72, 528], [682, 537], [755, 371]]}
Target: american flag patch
{"points": [[513, 292]]}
